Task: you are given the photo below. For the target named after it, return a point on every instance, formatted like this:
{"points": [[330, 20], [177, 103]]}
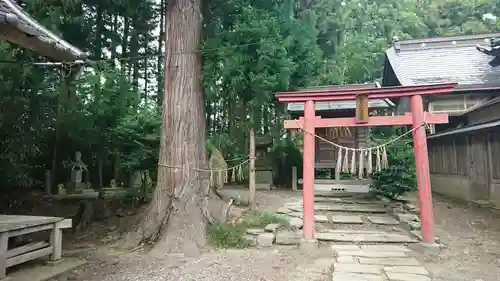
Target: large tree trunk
{"points": [[176, 218]]}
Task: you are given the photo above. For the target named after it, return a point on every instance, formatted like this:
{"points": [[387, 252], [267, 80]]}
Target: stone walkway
{"points": [[367, 242], [350, 220]]}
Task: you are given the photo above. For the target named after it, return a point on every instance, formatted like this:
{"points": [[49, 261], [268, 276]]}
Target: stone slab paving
{"points": [[320, 218], [288, 237], [335, 207], [296, 223], [347, 219], [382, 220], [376, 262], [364, 237], [296, 215], [349, 276], [371, 254]]}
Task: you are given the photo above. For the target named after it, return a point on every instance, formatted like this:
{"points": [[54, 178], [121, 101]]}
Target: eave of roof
{"points": [[444, 59], [375, 93], [468, 129], [339, 105], [482, 105], [25, 31]]}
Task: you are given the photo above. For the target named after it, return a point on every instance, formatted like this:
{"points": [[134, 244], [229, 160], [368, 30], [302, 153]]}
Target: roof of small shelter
{"points": [[454, 59], [341, 105], [17, 27]]}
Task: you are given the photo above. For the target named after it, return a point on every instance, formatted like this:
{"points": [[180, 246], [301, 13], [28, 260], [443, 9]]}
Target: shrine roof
{"points": [[468, 129], [340, 105], [18, 27], [455, 59]]}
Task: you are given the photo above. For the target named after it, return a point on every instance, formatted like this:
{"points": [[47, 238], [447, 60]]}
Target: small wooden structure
{"points": [[418, 117], [21, 29], [465, 162], [355, 137], [13, 226]]}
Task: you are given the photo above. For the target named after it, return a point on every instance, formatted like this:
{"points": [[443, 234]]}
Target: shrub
{"points": [[400, 177], [232, 235]]}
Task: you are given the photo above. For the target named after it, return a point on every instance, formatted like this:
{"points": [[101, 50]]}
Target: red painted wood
{"points": [[308, 170], [416, 118], [423, 172], [430, 118], [375, 93]]}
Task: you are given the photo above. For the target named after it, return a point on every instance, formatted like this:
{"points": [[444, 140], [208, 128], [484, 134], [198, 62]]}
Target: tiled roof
{"points": [[443, 60], [340, 105], [20, 28]]}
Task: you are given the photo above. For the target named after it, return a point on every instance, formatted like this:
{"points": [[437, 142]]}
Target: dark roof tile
{"points": [[444, 60]]}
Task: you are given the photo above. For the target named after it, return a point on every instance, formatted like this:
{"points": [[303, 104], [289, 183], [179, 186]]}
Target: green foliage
{"points": [[137, 140], [400, 177], [227, 236], [232, 235], [285, 155], [250, 49]]}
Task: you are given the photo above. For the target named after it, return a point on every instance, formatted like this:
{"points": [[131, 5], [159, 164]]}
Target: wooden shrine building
{"points": [[354, 137]]}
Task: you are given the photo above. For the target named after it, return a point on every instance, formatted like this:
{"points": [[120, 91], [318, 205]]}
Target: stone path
{"points": [[376, 262], [351, 262], [350, 220], [367, 243]]}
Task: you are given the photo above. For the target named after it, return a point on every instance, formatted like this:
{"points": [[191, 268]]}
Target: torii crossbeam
{"points": [[416, 118]]}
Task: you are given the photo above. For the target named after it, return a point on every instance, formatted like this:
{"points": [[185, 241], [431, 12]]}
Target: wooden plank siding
{"points": [[448, 156], [494, 141], [326, 153], [471, 159]]}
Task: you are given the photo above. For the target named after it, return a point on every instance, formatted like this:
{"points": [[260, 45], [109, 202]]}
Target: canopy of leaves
{"points": [[250, 49]]}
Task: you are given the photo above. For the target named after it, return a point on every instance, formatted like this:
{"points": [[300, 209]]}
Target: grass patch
{"points": [[232, 235]]}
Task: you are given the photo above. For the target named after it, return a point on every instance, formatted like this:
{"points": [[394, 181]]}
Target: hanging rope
{"points": [[381, 161], [367, 148]]}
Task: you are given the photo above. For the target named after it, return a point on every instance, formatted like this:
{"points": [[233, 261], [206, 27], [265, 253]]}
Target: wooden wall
{"points": [[473, 160], [326, 153]]}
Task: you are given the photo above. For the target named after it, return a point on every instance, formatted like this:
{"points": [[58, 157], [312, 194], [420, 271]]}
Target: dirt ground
{"points": [[274, 264], [472, 238], [471, 235]]}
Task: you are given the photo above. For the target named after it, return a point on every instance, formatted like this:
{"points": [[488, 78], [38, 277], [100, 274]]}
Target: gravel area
{"points": [[265, 264], [273, 264], [472, 238]]}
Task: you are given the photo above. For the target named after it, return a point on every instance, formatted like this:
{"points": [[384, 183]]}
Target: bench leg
{"points": [[4, 243], [56, 243]]}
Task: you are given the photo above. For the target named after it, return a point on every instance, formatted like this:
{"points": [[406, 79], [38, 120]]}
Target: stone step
{"points": [[368, 237], [381, 248], [383, 220], [347, 219], [351, 208]]}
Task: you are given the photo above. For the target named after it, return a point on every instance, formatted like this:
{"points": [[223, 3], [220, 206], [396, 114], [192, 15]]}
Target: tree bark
{"points": [[176, 217]]}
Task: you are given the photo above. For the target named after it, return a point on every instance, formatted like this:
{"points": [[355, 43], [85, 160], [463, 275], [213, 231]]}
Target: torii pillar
{"points": [[417, 118]]}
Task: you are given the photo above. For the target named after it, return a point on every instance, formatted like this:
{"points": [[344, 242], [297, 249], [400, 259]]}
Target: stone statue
{"points": [[77, 167]]}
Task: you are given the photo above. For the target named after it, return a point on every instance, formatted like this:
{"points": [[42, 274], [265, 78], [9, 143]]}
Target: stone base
{"points": [[427, 249], [52, 263], [308, 244]]}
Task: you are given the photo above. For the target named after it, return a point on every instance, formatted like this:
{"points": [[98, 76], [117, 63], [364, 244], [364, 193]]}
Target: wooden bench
{"points": [[12, 226]]}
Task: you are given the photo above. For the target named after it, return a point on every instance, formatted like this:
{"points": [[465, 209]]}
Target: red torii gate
{"points": [[417, 117]]}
